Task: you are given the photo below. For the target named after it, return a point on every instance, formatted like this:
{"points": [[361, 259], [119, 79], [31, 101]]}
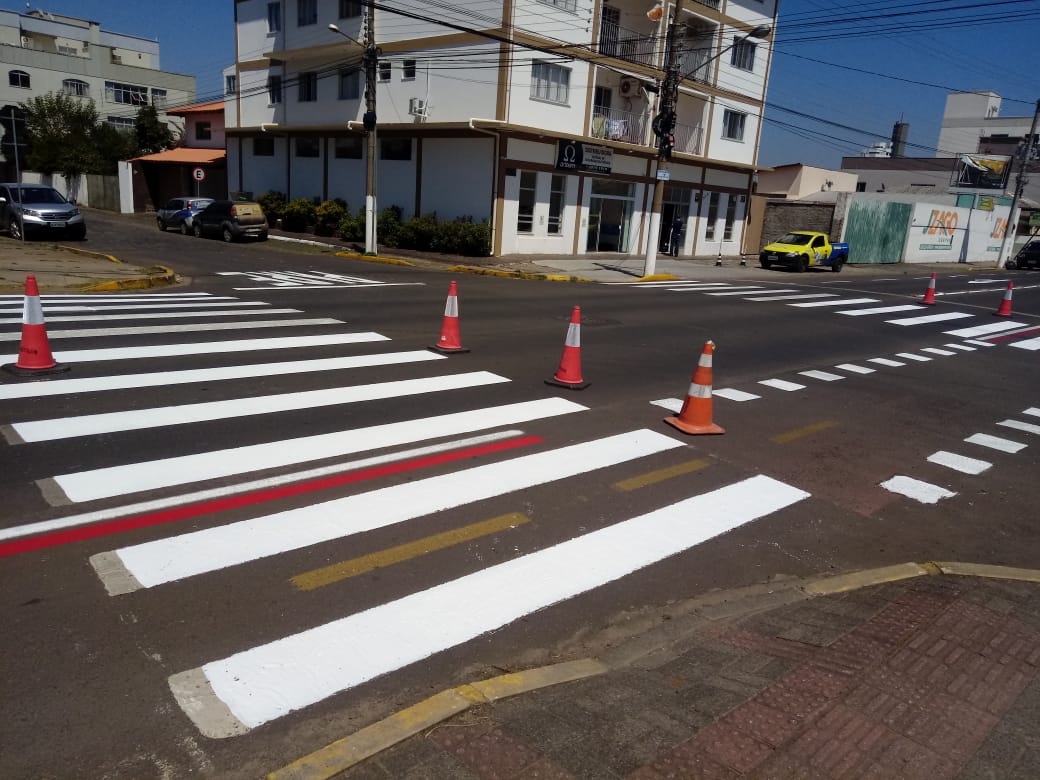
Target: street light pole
{"points": [[1020, 183], [664, 125], [370, 58]]}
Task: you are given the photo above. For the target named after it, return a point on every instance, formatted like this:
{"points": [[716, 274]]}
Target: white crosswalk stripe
{"points": [[199, 327]]}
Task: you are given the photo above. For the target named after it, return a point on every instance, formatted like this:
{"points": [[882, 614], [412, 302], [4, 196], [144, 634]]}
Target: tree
{"points": [[113, 144], [59, 131], [153, 135]]}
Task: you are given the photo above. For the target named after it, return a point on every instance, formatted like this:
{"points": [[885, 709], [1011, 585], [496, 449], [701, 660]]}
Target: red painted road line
{"points": [[257, 497], [1012, 336]]}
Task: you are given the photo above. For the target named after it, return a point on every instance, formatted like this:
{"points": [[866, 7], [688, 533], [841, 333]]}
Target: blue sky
{"points": [[950, 49]]}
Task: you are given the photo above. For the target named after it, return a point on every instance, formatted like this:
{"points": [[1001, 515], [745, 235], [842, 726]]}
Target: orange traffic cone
{"points": [[568, 375], [34, 355], [449, 341], [1004, 310], [929, 294], [695, 415]]}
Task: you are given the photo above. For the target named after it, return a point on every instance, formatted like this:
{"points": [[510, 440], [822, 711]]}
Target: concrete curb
{"points": [[469, 269], [712, 608], [87, 252], [164, 277], [375, 259], [371, 740]]}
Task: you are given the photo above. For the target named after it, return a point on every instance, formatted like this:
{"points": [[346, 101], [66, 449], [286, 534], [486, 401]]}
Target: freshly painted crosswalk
{"points": [[232, 695]]}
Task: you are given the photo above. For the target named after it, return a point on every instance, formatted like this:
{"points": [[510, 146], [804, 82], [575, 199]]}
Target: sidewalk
{"points": [[64, 270], [912, 671]]}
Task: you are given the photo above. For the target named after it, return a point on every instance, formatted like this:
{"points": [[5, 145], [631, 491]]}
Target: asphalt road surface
{"points": [[258, 513]]}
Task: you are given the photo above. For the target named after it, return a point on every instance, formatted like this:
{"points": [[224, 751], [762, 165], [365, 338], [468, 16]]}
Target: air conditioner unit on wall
{"points": [[417, 106], [628, 87]]}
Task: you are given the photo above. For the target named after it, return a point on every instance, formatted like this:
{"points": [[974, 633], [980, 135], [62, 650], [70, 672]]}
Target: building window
{"points": [[307, 147], [306, 12], [861, 186], [395, 149], [713, 216], [731, 217], [230, 85], [75, 87], [274, 89], [566, 5], [128, 94], [743, 54], [18, 78], [203, 131], [348, 9], [733, 125], [550, 82], [557, 191], [384, 70], [308, 87], [349, 84], [158, 97], [348, 148], [274, 17], [71, 51], [525, 202], [121, 122], [408, 70], [263, 147]]}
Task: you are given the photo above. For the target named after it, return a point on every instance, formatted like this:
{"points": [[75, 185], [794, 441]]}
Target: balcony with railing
{"points": [[696, 51], [615, 125], [631, 45], [688, 139]]}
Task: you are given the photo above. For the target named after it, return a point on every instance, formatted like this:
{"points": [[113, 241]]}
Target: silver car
{"points": [[36, 209], [179, 212]]}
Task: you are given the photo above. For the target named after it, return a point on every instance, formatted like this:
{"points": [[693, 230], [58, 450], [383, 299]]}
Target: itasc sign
{"points": [[199, 174], [578, 156]]}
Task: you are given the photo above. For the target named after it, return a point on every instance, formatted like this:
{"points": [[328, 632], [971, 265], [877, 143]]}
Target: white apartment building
{"points": [[971, 118], [534, 115], [42, 52]]}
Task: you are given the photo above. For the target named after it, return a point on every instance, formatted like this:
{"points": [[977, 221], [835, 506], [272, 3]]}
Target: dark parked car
{"points": [[179, 212], [36, 209], [1027, 257], [231, 220]]}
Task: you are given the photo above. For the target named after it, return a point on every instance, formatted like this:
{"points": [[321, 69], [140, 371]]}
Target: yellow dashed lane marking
{"points": [[798, 433], [661, 474], [355, 566]]}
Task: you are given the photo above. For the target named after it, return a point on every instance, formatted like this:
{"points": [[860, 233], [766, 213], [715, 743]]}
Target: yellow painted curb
{"points": [[375, 258], [469, 269], [658, 278], [87, 252], [986, 570], [864, 579], [349, 751], [164, 277]]}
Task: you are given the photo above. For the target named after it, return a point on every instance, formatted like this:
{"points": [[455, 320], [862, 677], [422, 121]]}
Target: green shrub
{"points": [[419, 233], [273, 203], [463, 237], [327, 217], [388, 226], [298, 215], [352, 226]]}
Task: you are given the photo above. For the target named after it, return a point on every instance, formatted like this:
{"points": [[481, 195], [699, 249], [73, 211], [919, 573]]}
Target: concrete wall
{"points": [[99, 192]]}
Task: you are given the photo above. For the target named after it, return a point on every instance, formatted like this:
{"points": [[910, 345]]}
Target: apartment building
{"points": [[42, 52], [535, 115]]}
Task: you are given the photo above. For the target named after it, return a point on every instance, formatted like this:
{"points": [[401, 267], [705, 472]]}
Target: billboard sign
{"points": [[982, 171]]}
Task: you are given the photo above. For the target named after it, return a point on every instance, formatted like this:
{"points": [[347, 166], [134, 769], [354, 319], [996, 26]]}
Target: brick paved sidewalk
{"points": [[932, 677]]}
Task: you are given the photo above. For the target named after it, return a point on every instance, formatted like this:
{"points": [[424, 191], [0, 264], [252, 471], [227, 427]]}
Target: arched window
{"points": [[18, 78], [75, 87]]}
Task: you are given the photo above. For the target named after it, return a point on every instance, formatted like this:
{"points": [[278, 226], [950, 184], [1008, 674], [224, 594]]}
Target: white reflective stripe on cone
{"points": [[451, 308], [32, 314], [699, 391], [573, 335]]}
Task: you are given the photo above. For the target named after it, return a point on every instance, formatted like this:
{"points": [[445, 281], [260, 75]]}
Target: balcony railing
{"points": [[688, 139], [716, 4], [630, 45], [614, 125], [695, 62]]}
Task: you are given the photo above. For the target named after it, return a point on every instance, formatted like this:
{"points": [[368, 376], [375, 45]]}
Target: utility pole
{"points": [[664, 126], [1020, 183], [369, 122]]}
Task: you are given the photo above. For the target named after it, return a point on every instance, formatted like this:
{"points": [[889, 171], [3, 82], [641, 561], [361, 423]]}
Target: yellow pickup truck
{"points": [[804, 249]]}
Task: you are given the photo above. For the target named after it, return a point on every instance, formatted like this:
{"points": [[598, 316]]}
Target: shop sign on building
{"points": [[578, 156]]}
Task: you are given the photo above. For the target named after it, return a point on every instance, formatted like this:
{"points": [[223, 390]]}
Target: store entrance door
{"points": [[609, 219]]}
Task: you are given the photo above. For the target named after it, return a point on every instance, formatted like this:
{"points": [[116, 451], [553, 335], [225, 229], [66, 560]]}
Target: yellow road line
{"points": [[355, 566], [661, 474], [798, 433]]}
